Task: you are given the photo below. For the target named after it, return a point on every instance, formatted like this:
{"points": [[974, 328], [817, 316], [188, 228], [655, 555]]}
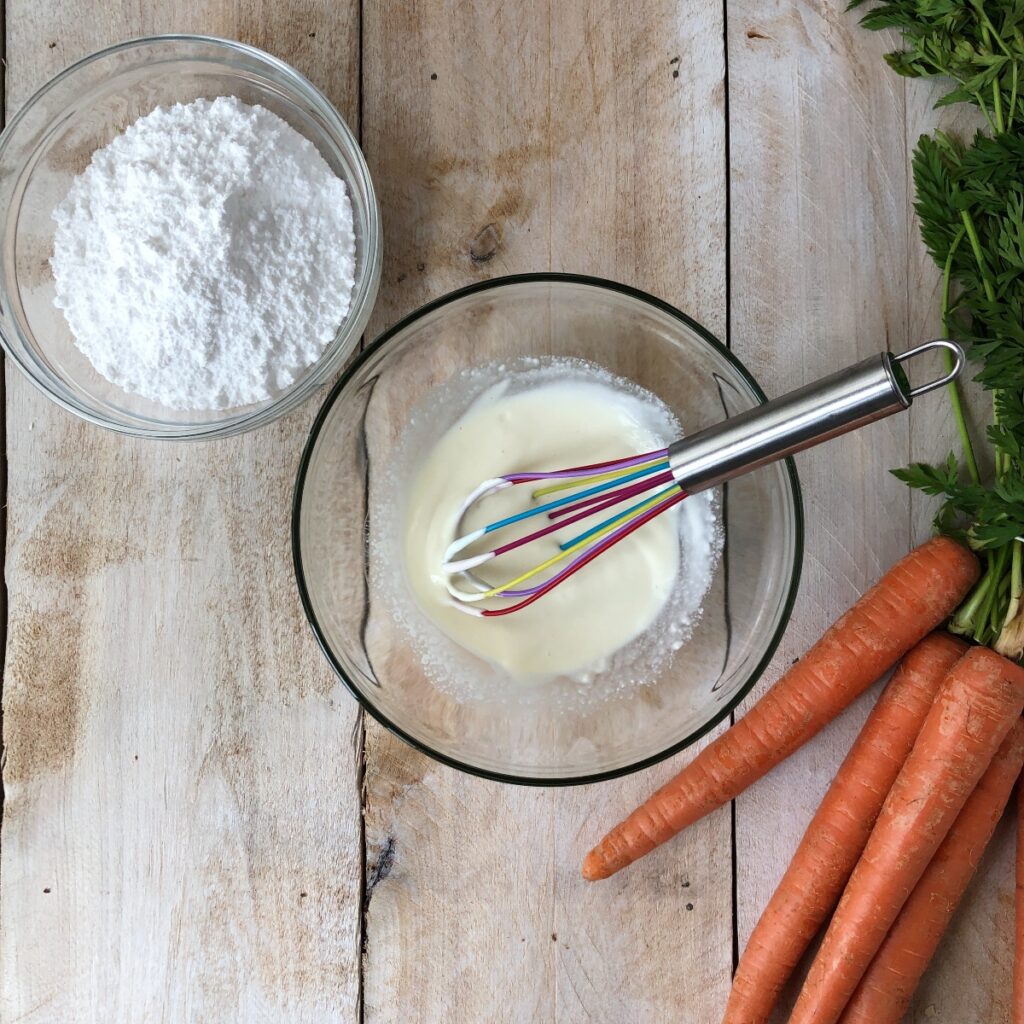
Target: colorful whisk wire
{"points": [[874, 388], [596, 488]]}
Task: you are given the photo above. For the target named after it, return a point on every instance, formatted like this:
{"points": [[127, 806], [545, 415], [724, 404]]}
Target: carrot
{"points": [[838, 831], [909, 601], [885, 991], [978, 703], [1018, 952]]}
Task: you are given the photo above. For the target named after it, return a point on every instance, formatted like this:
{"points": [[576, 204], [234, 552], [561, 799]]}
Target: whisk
{"points": [[651, 483]]}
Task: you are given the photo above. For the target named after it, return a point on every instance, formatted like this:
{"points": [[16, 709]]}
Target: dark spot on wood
{"points": [[752, 33], [53, 46], [302, 895], [421, 267], [485, 244], [382, 866], [507, 206], [136, 757], [401, 278], [433, 77], [554, 936], [674, 60], [689, 906], [312, 35], [675, 74], [47, 889], [686, 884]]}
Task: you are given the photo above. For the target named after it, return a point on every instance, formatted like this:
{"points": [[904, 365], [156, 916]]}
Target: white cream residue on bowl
{"points": [[606, 630]]}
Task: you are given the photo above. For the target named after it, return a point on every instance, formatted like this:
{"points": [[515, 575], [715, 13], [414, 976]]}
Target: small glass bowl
{"points": [[343, 479], [52, 139]]}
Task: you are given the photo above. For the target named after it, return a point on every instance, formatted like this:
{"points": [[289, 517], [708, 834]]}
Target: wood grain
{"points": [[508, 138], [181, 838], [970, 977], [181, 829], [818, 235], [821, 133]]}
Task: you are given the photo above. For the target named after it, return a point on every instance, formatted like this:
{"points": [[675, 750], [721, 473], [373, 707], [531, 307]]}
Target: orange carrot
{"points": [[838, 831], [1018, 952], [909, 601], [977, 705], [885, 991]]}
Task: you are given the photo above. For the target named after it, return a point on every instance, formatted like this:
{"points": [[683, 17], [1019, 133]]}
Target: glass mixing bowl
{"points": [[52, 138], [343, 481]]}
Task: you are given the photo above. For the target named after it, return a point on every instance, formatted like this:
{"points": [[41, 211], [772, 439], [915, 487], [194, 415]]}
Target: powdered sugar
{"points": [[206, 256]]}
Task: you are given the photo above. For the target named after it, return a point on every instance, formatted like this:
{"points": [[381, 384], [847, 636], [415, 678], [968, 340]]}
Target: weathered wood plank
{"points": [[181, 831], [970, 978], [818, 236], [553, 136], [849, 192]]}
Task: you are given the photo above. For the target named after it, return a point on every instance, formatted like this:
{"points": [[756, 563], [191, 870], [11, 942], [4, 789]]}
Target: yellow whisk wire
{"points": [[555, 559]]}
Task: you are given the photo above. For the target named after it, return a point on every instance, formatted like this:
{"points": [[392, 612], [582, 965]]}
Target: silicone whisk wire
{"points": [[589, 555], [604, 486]]}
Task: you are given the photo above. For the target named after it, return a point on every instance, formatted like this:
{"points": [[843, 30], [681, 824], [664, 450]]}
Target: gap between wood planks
{"points": [[3, 444], [360, 726], [734, 888]]}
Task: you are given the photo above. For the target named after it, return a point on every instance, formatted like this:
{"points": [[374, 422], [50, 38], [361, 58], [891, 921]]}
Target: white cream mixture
{"points": [[579, 625]]}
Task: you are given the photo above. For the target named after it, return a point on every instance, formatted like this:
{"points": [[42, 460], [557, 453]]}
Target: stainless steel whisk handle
{"points": [[860, 394]]}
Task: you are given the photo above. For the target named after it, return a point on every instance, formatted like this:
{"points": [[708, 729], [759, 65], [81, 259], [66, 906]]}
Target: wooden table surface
{"points": [[199, 823]]}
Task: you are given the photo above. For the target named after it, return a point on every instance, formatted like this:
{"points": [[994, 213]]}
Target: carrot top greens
{"points": [[970, 203]]}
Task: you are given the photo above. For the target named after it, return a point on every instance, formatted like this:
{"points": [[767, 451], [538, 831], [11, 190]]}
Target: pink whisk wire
{"points": [[588, 556]]}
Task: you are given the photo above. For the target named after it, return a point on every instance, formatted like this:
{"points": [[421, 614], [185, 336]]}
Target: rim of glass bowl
{"points": [[363, 297], [379, 343]]}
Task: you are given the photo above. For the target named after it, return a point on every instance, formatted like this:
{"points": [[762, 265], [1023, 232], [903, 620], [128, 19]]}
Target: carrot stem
{"points": [[963, 623]]}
